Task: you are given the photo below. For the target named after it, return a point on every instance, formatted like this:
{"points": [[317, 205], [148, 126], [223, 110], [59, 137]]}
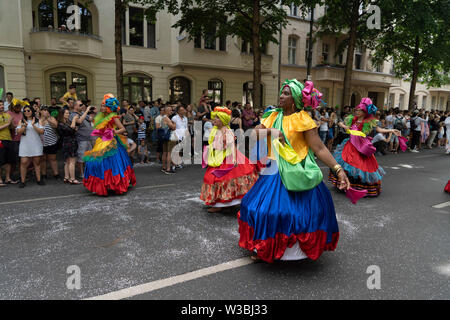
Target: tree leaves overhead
{"points": [[228, 17], [404, 21]]}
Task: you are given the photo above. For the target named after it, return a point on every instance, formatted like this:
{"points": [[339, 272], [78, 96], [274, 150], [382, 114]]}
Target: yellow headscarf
{"points": [[216, 157], [21, 102]]}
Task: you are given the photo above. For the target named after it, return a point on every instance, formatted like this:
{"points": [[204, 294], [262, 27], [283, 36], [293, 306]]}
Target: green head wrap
{"points": [[296, 91]]}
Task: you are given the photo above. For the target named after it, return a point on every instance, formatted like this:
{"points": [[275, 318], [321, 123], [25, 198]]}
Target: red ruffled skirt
{"points": [[233, 185]]}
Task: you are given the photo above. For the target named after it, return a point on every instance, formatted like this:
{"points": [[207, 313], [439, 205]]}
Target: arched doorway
{"points": [[137, 87], [247, 94], [180, 90], [58, 81], [353, 100]]}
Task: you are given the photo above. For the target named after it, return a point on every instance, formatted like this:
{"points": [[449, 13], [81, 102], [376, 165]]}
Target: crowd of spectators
{"points": [[34, 137]]}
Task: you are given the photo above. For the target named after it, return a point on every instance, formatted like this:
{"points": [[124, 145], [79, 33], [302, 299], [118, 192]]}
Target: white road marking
{"points": [[395, 168], [444, 269], [77, 195], [159, 284], [428, 156], [442, 205]]}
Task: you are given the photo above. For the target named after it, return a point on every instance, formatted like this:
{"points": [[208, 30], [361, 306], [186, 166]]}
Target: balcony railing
{"points": [[66, 42]]}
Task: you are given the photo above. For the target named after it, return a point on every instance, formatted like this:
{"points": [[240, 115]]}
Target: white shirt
{"points": [[146, 113], [182, 126], [158, 119], [378, 137], [208, 126], [30, 143], [324, 125], [6, 104]]}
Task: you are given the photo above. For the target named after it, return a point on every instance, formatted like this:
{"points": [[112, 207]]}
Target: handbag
{"points": [[296, 175], [163, 134]]}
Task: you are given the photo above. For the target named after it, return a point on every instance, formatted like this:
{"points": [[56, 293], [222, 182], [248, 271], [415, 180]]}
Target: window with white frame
{"points": [[306, 50], [292, 50], [215, 91], [401, 101], [246, 47], [138, 31], [358, 58], [294, 10], [424, 101], [210, 42], [137, 87], [52, 15], [391, 100], [325, 52]]}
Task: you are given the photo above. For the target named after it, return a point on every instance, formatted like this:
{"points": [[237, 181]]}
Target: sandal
{"points": [[75, 181], [66, 180], [2, 184], [214, 210]]}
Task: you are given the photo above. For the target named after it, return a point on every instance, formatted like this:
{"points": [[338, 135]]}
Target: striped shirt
{"points": [[50, 135], [141, 131]]}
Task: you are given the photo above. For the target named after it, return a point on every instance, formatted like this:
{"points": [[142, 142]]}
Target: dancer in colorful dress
{"points": [[356, 154], [230, 175], [289, 214], [108, 166]]}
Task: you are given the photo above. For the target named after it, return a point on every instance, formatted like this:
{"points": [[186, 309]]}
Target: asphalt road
{"points": [[155, 238]]}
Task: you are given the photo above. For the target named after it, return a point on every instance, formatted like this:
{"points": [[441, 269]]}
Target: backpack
{"points": [[398, 124]]}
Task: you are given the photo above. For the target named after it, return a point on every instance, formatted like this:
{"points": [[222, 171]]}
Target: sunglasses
{"points": [[27, 110]]}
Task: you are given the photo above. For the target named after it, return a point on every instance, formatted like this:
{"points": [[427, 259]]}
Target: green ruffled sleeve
{"points": [[348, 120]]}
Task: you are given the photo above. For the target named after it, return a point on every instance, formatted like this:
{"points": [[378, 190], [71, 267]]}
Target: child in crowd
{"points": [[143, 154], [142, 128]]}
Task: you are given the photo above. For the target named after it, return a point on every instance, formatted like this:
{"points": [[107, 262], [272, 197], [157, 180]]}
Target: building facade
{"points": [[39, 58]]}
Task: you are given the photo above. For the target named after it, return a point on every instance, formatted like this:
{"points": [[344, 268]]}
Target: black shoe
{"points": [[43, 176], [41, 182], [21, 185], [57, 176]]}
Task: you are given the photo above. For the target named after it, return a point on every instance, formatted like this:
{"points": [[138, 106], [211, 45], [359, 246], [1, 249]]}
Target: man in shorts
{"points": [[83, 134], [6, 146]]}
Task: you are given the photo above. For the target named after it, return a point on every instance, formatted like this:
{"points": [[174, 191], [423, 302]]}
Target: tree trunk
{"points": [[256, 55], [118, 48], [415, 73], [350, 55]]}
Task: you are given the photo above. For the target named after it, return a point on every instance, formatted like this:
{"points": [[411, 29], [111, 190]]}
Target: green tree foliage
{"points": [[254, 21], [346, 20], [416, 34]]}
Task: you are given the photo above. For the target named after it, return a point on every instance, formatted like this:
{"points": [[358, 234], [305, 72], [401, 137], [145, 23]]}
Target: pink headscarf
{"points": [[363, 104]]}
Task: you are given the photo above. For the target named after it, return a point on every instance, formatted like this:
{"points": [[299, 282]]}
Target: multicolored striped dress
{"points": [[107, 165], [356, 156]]}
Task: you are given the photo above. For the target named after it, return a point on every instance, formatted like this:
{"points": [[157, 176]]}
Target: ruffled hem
{"points": [[313, 244], [364, 176], [115, 183], [228, 190]]}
